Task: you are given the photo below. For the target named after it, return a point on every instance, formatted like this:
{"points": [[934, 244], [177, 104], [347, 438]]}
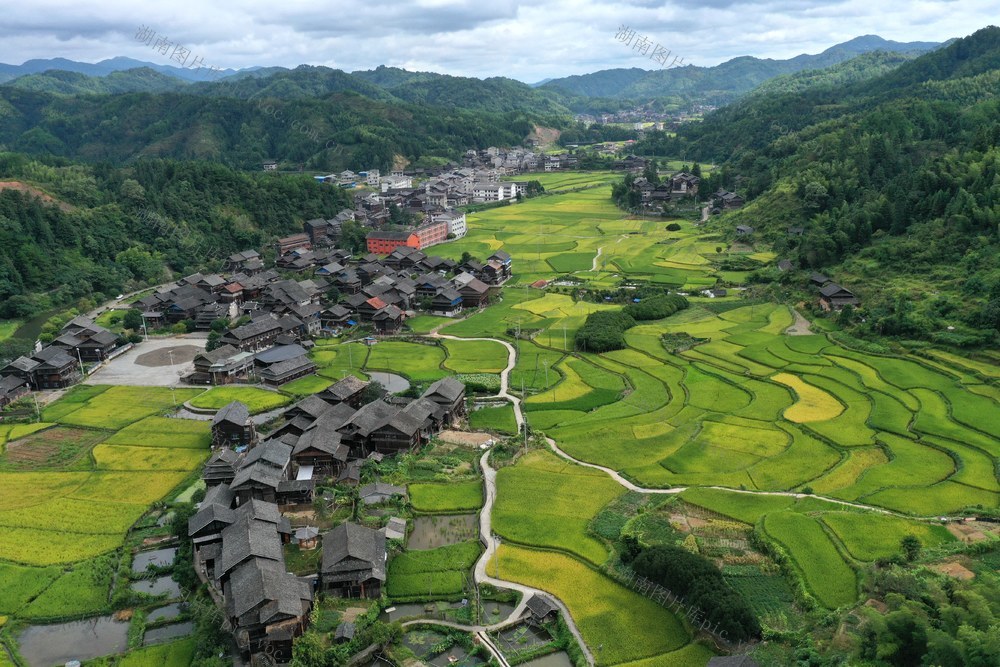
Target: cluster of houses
{"points": [[58, 364], [239, 531], [722, 200], [280, 314], [678, 186]]}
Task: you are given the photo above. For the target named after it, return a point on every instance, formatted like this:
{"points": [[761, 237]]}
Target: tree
{"points": [[910, 546], [373, 392], [132, 319], [309, 650], [696, 170]]}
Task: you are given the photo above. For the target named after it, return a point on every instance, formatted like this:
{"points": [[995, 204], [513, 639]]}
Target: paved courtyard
{"points": [[158, 362]]}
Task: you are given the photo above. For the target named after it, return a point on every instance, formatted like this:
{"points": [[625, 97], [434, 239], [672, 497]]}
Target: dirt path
{"points": [[491, 541], [597, 257], [800, 327]]}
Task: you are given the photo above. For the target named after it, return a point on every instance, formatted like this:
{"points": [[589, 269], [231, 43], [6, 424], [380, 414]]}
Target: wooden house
{"points": [[388, 320], [448, 393], [233, 427], [354, 562], [834, 297]]}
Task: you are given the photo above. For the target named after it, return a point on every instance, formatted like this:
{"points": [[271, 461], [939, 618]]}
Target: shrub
{"points": [[673, 227], [657, 307], [604, 331], [700, 583]]}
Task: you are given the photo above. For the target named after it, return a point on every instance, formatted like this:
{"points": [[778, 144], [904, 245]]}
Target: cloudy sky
{"points": [[523, 40]]}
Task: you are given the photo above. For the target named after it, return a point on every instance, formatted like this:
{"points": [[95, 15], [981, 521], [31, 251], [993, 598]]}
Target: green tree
{"points": [[910, 546], [132, 320]]}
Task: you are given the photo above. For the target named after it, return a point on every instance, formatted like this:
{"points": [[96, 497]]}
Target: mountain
{"points": [[107, 230], [893, 178], [332, 132], [722, 83], [62, 82], [106, 67]]}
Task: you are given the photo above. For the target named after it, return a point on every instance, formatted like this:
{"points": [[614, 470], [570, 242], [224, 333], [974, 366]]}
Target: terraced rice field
{"points": [[745, 408], [625, 624], [73, 488]]}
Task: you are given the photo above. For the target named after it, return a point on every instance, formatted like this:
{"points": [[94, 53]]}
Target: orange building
{"points": [[383, 243]]}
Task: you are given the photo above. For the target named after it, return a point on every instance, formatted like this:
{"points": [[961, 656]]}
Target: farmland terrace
{"points": [[793, 462]]}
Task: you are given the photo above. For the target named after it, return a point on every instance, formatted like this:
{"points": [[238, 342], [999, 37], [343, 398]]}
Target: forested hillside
{"points": [[110, 229], [722, 83], [336, 131], [896, 180]]}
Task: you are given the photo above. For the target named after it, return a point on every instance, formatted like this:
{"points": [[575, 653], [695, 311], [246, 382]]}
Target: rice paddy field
{"points": [[72, 487], [748, 407]]}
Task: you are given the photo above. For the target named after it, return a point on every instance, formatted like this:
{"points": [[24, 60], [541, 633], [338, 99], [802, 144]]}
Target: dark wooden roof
{"points": [[235, 413]]}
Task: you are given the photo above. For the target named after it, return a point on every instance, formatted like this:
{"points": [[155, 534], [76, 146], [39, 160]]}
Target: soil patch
{"points": [[24, 187], [463, 438], [956, 570], [966, 532], [181, 354], [54, 447]]}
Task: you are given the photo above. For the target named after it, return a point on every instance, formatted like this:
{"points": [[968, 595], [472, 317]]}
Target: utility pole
{"points": [[80, 359], [546, 364], [38, 412], [145, 331], [173, 395]]}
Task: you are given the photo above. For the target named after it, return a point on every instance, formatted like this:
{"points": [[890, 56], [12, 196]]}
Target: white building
{"points": [[456, 222], [372, 177]]}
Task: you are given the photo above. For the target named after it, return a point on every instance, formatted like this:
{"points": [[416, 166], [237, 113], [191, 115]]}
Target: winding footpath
{"points": [[491, 541]]}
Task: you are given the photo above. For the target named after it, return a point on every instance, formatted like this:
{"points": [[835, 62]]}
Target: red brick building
{"points": [[383, 243]]}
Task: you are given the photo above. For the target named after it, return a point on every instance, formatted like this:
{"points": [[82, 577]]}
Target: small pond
{"points": [[456, 656], [522, 638], [165, 613], [159, 586], [494, 612], [560, 659], [159, 558], [421, 642], [47, 645], [431, 532], [167, 632], [393, 383], [436, 610]]}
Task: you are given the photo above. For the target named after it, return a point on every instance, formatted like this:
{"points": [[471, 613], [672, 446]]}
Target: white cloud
{"points": [[523, 40]]}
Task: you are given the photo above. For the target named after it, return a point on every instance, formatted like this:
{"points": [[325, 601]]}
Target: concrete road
{"points": [[158, 362]]}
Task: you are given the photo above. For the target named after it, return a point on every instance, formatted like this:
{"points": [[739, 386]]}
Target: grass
{"points": [[868, 537], [827, 576], [422, 324], [475, 356], [8, 327], [498, 419], [82, 589], [305, 386], [19, 584], [812, 404], [434, 572], [421, 363], [443, 498], [117, 407], [165, 432], [257, 400], [125, 457], [178, 653], [743, 507], [546, 501], [605, 612]]}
